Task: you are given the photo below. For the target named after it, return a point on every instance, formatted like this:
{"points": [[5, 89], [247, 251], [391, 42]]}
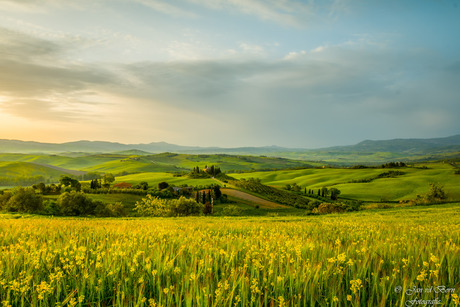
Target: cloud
{"points": [[341, 92], [37, 84], [352, 91], [44, 110], [167, 8], [286, 13]]}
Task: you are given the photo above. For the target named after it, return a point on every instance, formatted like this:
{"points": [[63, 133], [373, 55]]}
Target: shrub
{"points": [[155, 206], [152, 206], [184, 206], [326, 208]]}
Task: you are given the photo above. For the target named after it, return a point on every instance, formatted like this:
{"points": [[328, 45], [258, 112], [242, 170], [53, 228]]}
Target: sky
{"points": [[229, 73]]}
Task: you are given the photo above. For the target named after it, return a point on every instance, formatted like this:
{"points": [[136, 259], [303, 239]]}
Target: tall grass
{"points": [[341, 260]]}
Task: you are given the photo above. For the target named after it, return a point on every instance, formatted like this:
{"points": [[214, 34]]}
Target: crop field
{"points": [[415, 180], [372, 258]]}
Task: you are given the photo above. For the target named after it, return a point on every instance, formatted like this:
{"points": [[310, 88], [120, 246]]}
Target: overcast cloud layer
{"points": [[229, 73]]}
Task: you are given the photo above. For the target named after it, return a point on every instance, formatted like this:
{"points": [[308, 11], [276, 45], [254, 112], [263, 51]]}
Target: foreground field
{"points": [[362, 259]]}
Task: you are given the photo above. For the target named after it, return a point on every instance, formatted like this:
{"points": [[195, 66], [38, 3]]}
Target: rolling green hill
{"points": [[415, 180], [24, 173], [73, 163]]}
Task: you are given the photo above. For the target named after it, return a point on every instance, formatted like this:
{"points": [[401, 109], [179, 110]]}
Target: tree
{"points": [[144, 185], [334, 193], [296, 187], [207, 208], [75, 203], [108, 179], [65, 180], [24, 200], [41, 187], [184, 207], [436, 193], [217, 192], [163, 185], [324, 192]]}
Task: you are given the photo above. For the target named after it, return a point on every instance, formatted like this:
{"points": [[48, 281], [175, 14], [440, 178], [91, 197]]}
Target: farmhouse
{"points": [[179, 189]]}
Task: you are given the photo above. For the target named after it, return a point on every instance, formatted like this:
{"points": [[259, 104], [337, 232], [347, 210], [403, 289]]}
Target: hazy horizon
{"points": [[229, 73]]}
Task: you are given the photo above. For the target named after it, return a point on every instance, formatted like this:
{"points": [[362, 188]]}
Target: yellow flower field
{"points": [[382, 258]]}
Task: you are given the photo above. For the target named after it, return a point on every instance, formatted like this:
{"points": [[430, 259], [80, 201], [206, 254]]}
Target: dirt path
{"points": [[264, 204]]}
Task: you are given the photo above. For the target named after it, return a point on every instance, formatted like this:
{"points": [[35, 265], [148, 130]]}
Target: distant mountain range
{"points": [[403, 145], [397, 148], [16, 146]]}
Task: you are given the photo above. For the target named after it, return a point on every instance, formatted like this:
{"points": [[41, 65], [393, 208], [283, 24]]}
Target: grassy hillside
{"points": [[73, 163], [24, 169], [415, 180]]}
